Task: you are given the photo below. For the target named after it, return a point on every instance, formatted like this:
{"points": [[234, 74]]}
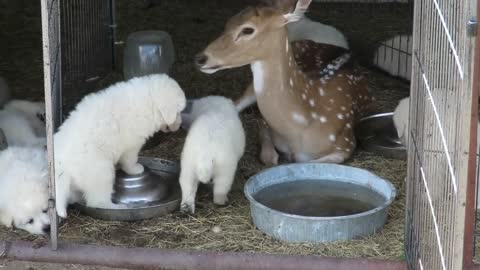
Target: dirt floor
{"points": [[191, 28]]}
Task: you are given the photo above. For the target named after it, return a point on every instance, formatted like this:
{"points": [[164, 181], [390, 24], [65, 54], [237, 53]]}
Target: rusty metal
{"points": [[470, 208], [144, 258], [472, 267]]}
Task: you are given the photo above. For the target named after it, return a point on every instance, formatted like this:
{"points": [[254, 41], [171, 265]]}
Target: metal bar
{"points": [[51, 51], [470, 213], [145, 258]]}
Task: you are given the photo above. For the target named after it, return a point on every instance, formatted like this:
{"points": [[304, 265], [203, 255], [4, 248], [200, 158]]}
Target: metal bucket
{"points": [[297, 228]]}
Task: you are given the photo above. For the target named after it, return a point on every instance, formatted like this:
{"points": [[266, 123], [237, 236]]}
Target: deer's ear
{"points": [[295, 13]]}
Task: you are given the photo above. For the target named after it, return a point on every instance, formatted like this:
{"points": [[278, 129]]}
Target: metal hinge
{"points": [[472, 26]]}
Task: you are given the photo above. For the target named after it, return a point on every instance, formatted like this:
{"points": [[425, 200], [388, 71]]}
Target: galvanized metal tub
{"points": [[296, 228]]}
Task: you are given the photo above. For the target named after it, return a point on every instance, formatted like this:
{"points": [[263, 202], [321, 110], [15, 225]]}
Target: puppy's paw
{"points": [[186, 208], [220, 200], [133, 170], [62, 212]]}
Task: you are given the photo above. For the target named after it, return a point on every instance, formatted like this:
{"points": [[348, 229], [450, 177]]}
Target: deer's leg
{"points": [[268, 153], [343, 146], [248, 98], [335, 157]]}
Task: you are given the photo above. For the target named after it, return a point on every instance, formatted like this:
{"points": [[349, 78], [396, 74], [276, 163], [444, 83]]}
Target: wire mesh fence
{"points": [[87, 36], [78, 49], [393, 54], [440, 115]]}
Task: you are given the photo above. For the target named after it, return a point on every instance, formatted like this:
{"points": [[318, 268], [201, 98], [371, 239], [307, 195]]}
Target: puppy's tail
{"points": [[204, 169], [4, 92]]}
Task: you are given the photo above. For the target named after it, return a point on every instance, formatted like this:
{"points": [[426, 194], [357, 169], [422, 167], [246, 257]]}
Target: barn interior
{"points": [[192, 25]]}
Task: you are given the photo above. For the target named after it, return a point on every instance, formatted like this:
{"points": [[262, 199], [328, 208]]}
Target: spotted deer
{"points": [[309, 94]]}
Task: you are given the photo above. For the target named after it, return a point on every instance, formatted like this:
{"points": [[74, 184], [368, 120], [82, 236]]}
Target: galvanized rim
{"points": [[168, 166], [252, 200]]}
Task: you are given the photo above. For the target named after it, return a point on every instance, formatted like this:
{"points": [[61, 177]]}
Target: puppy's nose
{"points": [[46, 229], [201, 59]]}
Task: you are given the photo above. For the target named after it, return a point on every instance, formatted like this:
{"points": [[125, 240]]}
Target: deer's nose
{"points": [[201, 59]]}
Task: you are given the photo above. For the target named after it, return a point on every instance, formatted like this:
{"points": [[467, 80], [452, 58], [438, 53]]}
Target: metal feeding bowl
{"points": [[318, 202], [377, 134], [153, 193], [146, 187]]}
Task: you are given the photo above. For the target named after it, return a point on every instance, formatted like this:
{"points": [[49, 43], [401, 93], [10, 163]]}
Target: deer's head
{"points": [[250, 35]]}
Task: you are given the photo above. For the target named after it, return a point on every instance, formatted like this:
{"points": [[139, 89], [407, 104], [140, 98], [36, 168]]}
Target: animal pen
{"points": [[80, 38]]}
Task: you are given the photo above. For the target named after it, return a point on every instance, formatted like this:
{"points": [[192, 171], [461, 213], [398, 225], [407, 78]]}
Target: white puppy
{"points": [[33, 111], [108, 127], [400, 120], [18, 130], [214, 145], [24, 189]]}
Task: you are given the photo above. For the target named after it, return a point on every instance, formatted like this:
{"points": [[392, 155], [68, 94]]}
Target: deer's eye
{"points": [[248, 31]]}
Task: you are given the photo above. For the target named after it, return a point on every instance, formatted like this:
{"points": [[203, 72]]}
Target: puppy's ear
{"points": [[169, 114], [169, 111]]}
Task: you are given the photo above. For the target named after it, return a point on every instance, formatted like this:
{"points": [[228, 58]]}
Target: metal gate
{"points": [[78, 49], [440, 142]]}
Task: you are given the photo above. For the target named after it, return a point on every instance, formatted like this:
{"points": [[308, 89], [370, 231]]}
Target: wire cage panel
{"points": [[439, 141], [393, 52], [395, 56], [87, 30]]}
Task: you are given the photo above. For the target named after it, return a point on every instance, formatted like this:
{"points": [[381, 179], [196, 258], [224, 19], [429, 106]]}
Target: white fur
{"points": [[400, 120], [214, 145], [33, 111], [18, 130], [306, 29], [258, 76], [110, 127], [24, 189], [4, 91]]}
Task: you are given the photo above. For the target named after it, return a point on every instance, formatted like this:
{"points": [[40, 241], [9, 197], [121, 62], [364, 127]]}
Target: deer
{"points": [[309, 94], [304, 28]]}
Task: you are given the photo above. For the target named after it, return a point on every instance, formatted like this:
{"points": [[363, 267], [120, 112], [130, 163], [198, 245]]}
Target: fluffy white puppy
{"points": [[18, 129], [110, 127], [214, 145], [400, 120], [24, 189], [33, 111]]}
